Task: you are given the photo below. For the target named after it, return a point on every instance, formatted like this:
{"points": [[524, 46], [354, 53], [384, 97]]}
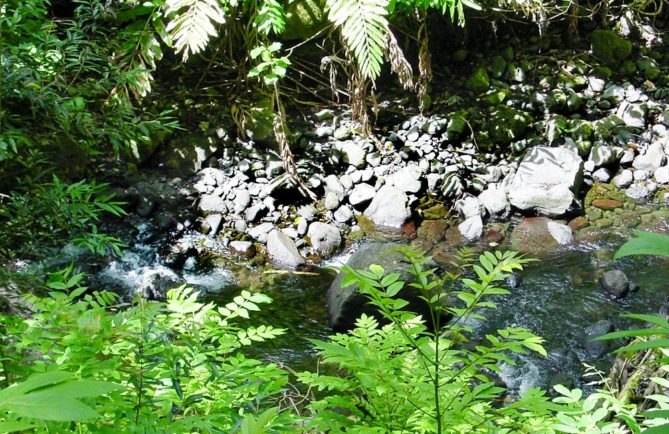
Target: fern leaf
{"points": [[364, 27], [193, 24]]}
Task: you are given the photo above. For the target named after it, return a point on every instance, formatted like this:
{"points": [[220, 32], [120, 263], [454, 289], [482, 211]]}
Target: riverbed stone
{"points": [[596, 348], [212, 203], [389, 207], [495, 201], [282, 250], [546, 180], [539, 236], [331, 201], [471, 228], [407, 179], [615, 283], [346, 304], [242, 200], [244, 249], [325, 238], [353, 153], [479, 81], [361, 194], [652, 159], [609, 47], [623, 179], [661, 175]]}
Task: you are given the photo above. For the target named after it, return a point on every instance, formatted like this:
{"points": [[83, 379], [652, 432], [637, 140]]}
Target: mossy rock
{"points": [[507, 124], [609, 47], [627, 68], [497, 66], [479, 81]]}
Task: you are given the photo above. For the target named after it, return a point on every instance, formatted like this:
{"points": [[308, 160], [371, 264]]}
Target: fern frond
{"points": [[271, 17], [364, 27], [193, 25]]}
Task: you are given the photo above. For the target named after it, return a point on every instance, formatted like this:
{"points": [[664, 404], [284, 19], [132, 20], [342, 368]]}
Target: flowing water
{"points": [[558, 298]]}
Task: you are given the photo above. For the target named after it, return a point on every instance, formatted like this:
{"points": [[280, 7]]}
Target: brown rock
{"points": [[578, 223], [607, 204], [432, 230]]}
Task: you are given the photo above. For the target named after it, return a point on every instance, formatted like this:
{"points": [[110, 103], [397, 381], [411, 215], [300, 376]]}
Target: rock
{"points": [[597, 349], [331, 201], [602, 155], [498, 66], [634, 115], [253, 213], [479, 81], [259, 231], [332, 184], [546, 180], [495, 201], [432, 230], [469, 206], [615, 283], [507, 124], [325, 238], [607, 204], [407, 179], [211, 203], [614, 94], [343, 214], [623, 179], [539, 236], [389, 207], [361, 194], [145, 206], [471, 228], [214, 223], [561, 233], [638, 190], [346, 304], [609, 47], [661, 175], [308, 212], [353, 153], [601, 175], [156, 283], [652, 159], [185, 154], [242, 200], [282, 249], [343, 133], [244, 249]]}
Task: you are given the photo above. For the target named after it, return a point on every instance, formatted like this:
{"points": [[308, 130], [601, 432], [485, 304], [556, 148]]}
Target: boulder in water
{"points": [[346, 304], [540, 235], [282, 249], [615, 283], [325, 238]]}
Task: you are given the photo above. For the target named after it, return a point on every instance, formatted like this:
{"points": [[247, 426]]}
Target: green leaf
{"points": [[6, 427], [46, 406], [646, 243]]}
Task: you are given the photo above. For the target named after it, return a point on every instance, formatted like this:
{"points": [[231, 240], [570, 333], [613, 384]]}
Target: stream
{"points": [[558, 298]]}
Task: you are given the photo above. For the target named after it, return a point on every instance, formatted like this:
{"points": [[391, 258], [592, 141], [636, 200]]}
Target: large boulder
{"points": [[546, 180], [346, 304], [282, 249], [389, 207], [609, 47]]}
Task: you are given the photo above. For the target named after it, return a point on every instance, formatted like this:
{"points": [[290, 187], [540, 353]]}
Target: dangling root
{"points": [[279, 124]]}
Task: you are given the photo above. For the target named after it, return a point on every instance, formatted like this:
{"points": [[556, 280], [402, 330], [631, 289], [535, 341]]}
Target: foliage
{"points": [[179, 364], [51, 212], [646, 243], [420, 376]]}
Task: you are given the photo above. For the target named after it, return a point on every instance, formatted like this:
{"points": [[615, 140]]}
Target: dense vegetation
{"points": [[75, 96]]}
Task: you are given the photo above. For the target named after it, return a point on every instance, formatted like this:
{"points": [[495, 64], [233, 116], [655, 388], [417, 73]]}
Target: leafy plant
{"points": [[418, 375], [180, 363], [645, 243]]}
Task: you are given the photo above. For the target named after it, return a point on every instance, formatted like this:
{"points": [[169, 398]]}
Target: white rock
{"points": [[601, 175], [472, 228], [545, 180], [282, 249], [661, 175], [389, 207], [407, 179], [212, 203], [494, 200], [562, 233], [361, 194], [343, 214], [242, 200], [469, 206], [652, 159], [353, 153], [325, 238], [331, 201], [623, 179]]}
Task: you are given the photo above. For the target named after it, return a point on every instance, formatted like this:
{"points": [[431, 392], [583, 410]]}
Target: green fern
{"points": [[364, 27], [193, 25]]}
